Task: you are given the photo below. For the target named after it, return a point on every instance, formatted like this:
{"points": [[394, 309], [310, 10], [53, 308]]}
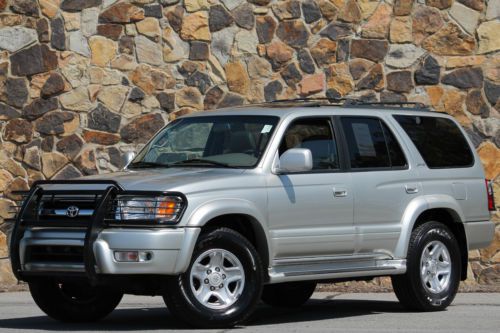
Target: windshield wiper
{"points": [[203, 161], [143, 164]]}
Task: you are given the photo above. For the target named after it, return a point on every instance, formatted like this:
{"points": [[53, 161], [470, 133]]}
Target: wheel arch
{"points": [[239, 215], [440, 208], [451, 219]]}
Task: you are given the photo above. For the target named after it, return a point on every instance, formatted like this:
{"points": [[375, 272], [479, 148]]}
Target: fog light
{"points": [[133, 256], [145, 256]]}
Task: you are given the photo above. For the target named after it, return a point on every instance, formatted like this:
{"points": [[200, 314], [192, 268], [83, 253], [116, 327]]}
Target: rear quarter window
{"points": [[439, 141]]}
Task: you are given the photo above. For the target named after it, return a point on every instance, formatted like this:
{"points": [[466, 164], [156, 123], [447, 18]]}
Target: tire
{"points": [[288, 295], [206, 271], [426, 286], [73, 302]]}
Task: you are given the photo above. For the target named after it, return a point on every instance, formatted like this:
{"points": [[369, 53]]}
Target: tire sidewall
{"points": [[436, 232], [52, 300], [253, 278]]}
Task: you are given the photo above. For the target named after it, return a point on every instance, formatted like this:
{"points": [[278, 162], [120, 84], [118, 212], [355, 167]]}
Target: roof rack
{"points": [[409, 105], [314, 100], [346, 102]]}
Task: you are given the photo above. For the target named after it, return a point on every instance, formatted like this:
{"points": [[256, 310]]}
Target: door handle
{"points": [[339, 193], [411, 189]]}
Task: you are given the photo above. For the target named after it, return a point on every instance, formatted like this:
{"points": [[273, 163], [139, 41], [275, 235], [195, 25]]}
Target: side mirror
{"points": [[127, 158], [295, 160]]}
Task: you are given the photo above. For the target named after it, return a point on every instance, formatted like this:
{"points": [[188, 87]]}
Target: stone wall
{"points": [[82, 81]]}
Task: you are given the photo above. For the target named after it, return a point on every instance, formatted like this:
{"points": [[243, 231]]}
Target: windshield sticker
{"points": [[266, 129]]}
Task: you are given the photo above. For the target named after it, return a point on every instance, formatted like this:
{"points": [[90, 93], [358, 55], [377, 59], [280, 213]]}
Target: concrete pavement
{"points": [[325, 312]]}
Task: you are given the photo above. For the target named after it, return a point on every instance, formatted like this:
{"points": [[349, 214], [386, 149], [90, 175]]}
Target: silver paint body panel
{"points": [[170, 248], [311, 221]]}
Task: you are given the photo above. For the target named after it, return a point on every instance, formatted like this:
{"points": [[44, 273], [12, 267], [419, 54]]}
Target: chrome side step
{"points": [[329, 259], [338, 271], [342, 267]]}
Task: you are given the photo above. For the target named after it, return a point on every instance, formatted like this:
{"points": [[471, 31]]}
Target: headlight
{"points": [[160, 209]]}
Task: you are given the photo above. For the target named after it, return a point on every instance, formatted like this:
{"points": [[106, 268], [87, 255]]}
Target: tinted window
{"points": [[439, 141], [316, 135], [395, 152], [371, 144]]}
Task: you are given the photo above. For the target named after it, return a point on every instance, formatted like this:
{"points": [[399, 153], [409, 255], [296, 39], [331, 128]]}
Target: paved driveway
{"points": [[325, 312]]}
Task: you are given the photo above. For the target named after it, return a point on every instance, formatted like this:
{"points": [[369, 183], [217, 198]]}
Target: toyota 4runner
{"points": [[223, 209]]}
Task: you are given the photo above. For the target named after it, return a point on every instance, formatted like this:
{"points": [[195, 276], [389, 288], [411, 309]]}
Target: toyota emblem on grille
{"points": [[72, 211]]}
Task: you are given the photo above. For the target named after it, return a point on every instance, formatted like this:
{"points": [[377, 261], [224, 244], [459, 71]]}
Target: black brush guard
{"points": [[28, 217]]}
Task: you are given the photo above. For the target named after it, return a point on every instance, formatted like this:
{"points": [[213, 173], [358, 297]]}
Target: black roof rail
{"points": [[338, 101], [410, 105], [319, 101]]}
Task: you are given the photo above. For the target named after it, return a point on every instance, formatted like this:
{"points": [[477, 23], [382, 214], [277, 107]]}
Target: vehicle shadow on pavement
{"points": [[146, 319], [323, 309]]}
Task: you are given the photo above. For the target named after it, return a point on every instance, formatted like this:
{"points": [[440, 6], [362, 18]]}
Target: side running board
{"points": [[335, 269]]}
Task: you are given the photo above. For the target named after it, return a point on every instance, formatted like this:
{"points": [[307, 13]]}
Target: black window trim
{"points": [[346, 148], [418, 151], [336, 136]]}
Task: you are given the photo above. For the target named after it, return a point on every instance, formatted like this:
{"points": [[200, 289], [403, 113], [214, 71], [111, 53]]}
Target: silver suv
{"points": [[223, 209]]}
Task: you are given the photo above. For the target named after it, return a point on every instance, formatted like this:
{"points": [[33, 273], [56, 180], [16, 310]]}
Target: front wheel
{"points": [[73, 302], [433, 269], [222, 285]]}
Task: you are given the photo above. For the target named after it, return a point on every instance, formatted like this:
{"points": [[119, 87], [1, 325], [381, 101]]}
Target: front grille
{"points": [[55, 207], [54, 254], [63, 210], [74, 208]]}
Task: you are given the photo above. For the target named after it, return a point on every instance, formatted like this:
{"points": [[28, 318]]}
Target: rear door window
{"points": [[371, 144], [439, 141]]}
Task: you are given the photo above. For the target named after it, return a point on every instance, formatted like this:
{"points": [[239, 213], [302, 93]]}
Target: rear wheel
{"points": [[222, 285], [433, 269], [292, 294], [73, 302]]}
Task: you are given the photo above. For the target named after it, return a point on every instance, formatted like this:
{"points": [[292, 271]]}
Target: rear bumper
{"points": [[479, 234], [170, 250]]}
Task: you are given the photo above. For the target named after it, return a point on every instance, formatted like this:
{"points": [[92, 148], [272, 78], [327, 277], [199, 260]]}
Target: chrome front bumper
{"points": [[170, 250]]}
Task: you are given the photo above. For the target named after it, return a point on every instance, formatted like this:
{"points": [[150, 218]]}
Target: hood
{"points": [[165, 179]]}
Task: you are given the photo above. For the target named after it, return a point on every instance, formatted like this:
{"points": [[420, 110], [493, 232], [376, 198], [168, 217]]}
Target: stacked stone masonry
{"points": [[83, 81]]}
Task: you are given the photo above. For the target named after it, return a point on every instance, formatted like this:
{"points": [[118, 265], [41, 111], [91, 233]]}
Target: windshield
{"points": [[214, 141]]}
